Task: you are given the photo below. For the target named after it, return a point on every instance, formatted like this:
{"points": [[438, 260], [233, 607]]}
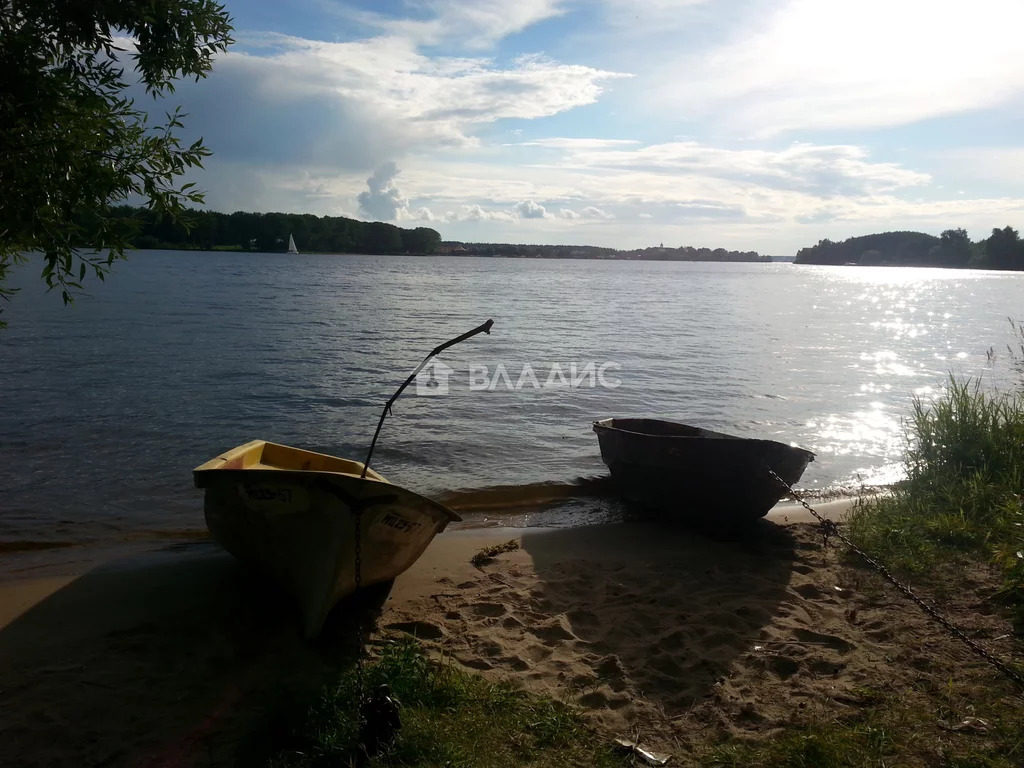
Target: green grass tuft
{"points": [[963, 495], [897, 729], [450, 718]]}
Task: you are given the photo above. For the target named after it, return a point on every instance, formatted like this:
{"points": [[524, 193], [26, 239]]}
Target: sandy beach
{"points": [[179, 657]]}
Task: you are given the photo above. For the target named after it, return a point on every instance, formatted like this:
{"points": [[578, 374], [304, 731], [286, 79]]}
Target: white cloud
{"points": [[461, 24], [589, 212], [527, 209], [822, 169], [854, 63], [275, 99], [689, 194], [475, 212], [422, 214], [716, 201], [383, 200], [555, 142]]}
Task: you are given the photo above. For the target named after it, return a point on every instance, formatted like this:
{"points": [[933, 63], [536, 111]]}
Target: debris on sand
{"points": [[487, 554]]}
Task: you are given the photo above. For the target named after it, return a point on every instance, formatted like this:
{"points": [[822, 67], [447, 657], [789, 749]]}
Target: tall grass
{"points": [[963, 494]]}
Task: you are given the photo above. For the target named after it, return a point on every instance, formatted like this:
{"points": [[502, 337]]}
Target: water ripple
{"points": [[108, 405]]}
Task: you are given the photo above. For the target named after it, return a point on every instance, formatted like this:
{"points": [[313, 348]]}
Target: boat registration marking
{"points": [[399, 523], [274, 499], [263, 493]]}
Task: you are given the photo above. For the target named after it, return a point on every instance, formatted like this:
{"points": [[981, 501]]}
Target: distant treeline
{"points": [[1003, 249], [268, 232], [658, 253]]}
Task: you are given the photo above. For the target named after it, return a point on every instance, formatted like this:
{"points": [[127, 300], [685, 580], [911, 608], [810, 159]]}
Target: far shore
{"points": [[236, 249]]}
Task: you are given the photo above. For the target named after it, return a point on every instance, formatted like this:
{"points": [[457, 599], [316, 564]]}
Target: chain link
{"points": [[830, 528]]}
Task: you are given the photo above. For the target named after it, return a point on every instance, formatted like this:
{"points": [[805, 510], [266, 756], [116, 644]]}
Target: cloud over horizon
{"points": [[382, 200], [688, 122]]}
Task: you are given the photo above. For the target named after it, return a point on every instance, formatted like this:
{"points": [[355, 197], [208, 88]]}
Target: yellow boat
{"points": [[292, 514]]}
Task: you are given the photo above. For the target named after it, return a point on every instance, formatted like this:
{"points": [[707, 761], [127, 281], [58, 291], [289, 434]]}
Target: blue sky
{"points": [[747, 124]]}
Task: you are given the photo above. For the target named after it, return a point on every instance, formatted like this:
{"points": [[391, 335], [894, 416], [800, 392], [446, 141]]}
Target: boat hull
{"points": [[293, 515], [697, 474]]}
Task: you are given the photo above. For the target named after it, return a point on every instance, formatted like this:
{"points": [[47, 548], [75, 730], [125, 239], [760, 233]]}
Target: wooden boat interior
{"points": [[658, 428], [262, 455]]}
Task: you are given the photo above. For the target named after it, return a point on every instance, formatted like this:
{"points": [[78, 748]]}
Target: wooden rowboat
{"points": [[694, 473], [292, 514]]}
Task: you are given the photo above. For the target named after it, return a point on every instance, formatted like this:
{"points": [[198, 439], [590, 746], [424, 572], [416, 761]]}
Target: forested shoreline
{"points": [[653, 253], [268, 232], [1003, 249]]}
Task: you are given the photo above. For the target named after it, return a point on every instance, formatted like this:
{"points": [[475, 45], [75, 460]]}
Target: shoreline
{"points": [[33, 558]]}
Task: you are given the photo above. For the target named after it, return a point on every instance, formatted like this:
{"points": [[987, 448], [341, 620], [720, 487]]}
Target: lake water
{"points": [[108, 405]]}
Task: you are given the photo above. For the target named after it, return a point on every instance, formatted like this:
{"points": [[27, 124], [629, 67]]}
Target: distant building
{"points": [[451, 249]]}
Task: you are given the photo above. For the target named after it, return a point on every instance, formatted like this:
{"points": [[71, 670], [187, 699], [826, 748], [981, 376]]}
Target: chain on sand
{"points": [[829, 528]]}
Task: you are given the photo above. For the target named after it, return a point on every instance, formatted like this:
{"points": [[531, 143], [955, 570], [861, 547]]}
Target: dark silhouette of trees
{"points": [[656, 253], [1002, 250], [72, 142], [955, 248], [268, 233], [897, 248]]}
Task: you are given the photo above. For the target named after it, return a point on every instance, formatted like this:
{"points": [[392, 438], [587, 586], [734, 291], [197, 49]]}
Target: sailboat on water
{"points": [[291, 245]]}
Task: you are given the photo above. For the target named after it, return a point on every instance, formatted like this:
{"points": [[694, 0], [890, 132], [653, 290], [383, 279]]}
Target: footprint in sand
{"points": [[833, 642], [825, 667], [584, 619], [490, 649], [489, 610], [599, 700], [555, 632], [474, 663], [583, 681], [511, 622], [808, 591], [536, 653], [783, 666], [611, 671], [882, 632]]}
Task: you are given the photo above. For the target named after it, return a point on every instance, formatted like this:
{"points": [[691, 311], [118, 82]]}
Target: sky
{"points": [[760, 125]]}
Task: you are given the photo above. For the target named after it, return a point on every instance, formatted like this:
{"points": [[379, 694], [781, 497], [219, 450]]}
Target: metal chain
{"points": [[830, 528]]}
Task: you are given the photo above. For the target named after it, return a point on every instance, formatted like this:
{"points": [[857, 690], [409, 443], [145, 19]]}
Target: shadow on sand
{"points": [[656, 610], [183, 658]]}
